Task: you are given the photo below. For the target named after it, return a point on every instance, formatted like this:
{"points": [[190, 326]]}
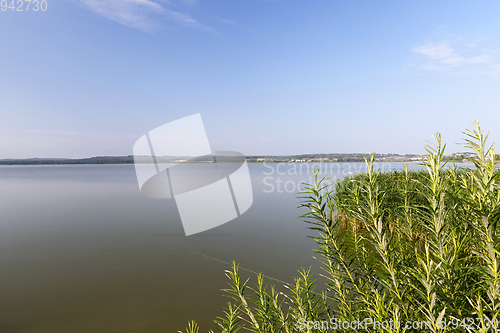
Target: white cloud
{"points": [[440, 51], [185, 20], [141, 14], [132, 13], [456, 56]]}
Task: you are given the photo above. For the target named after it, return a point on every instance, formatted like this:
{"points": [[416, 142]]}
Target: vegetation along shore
{"points": [[399, 247]]}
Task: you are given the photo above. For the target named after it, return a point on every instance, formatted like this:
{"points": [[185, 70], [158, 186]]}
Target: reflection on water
{"points": [[81, 250]]}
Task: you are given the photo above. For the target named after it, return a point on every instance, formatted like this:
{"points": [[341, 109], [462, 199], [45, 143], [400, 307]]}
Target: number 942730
{"points": [[23, 5]]}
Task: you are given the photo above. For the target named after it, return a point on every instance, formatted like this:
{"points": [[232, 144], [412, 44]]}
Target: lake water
{"points": [[81, 250]]}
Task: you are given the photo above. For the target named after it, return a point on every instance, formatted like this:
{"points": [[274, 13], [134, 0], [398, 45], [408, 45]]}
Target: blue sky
{"points": [[89, 77]]}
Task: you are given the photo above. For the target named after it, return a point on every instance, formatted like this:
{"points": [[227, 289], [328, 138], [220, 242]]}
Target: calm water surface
{"points": [[81, 250]]}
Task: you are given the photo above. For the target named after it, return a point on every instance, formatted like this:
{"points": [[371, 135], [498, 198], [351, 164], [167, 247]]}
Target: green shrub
{"points": [[399, 247]]}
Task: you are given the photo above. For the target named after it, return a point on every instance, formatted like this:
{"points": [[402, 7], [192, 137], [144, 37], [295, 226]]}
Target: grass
{"points": [[402, 246]]}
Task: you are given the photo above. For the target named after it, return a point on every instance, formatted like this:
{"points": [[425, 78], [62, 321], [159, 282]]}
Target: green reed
{"points": [[401, 246]]}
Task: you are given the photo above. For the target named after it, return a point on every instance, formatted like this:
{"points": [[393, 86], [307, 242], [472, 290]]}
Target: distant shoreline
{"points": [[305, 158]]}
